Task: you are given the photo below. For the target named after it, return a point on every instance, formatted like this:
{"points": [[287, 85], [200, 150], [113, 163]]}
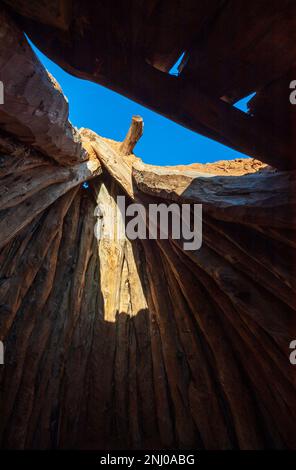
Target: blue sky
{"points": [[109, 114]]}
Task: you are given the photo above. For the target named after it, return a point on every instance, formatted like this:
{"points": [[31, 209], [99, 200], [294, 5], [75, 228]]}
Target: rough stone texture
{"points": [[140, 344]]}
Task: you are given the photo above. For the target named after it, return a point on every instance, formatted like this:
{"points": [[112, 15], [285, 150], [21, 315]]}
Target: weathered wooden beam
{"points": [[257, 199], [34, 110], [133, 135], [176, 98], [186, 104], [23, 198], [164, 32], [237, 57], [55, 12], [122, 344], [118, 167], [113, 63]]}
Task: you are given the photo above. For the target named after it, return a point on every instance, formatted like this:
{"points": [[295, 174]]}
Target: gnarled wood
{"points": [[115, 343], [119, 58], [35, 110], [133, 135]]}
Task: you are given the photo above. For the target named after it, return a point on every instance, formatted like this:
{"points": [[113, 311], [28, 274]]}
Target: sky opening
{"points": [[109, 114]]}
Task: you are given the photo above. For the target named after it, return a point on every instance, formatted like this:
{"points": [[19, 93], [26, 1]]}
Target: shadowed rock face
{"points": [[136, 344]]}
